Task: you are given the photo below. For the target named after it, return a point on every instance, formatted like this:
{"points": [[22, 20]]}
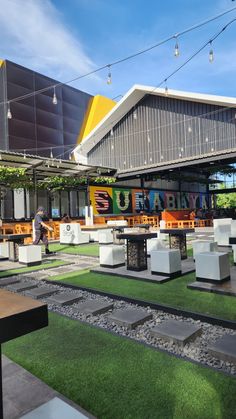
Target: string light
{"points": [[203, 23], [176, 52], [211, 53], [51, 154], [112, 132], [54, 99], [109, 80], [135, 114], [24, 155], [166, 88], [9, 114], [70, 156]]}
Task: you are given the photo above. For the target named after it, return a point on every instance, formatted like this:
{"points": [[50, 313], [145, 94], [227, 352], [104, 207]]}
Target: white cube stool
{"points": [[166, 262], [30, 255], [112, 256], [93, 235], [154, 244], [201, 246], [105, 237], [212, 267], [4, 250], [222, 231]]}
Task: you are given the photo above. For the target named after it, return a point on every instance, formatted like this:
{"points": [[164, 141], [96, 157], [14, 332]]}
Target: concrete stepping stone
{"points": [[23, 286], [93, 307], [176, 331], [64, 299], [224, 348], [55, 409], [42, 292], [129, 318], [8, 281]]}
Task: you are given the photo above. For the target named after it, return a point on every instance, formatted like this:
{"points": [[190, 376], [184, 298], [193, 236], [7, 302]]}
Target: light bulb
{"points": [[51, 154], [24, 155], [176, 53], [135, 115], [112, 133], [189, 129], [70, 156], [54, 99], [211, 55], [9, 114], [109, 79]]}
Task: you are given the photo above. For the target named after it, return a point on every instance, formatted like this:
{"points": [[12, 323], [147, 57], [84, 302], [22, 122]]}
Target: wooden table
{"points": [[14, 241], [136, 249], [177, 239], [18, 316]]}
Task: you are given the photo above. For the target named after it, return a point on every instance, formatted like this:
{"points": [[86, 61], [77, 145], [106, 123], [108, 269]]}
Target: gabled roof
{"points": [[132, 97]]}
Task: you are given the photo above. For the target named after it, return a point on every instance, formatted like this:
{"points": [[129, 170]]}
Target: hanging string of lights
{"points": [[164, 81], [108, 66]]}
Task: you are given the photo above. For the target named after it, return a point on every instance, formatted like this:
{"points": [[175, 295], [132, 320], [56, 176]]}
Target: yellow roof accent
{"points": [[98, 107], [1, 62]]}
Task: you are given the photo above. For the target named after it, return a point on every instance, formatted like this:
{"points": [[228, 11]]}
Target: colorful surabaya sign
{"points": [[107, 200]]}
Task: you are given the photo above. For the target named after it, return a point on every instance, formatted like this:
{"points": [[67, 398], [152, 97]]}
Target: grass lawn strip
{"points": [[173, 293], [115, 378], [91, 249], [43, 266]]}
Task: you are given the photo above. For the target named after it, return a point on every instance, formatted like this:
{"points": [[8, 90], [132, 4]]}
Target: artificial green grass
{"points": [[11, 272], [116, 378], [91, 249], [174, 293]]}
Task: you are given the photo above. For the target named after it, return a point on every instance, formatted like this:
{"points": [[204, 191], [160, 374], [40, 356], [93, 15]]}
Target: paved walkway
{"points": [[23, 392]]}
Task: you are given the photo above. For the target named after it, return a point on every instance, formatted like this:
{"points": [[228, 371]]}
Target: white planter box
{"points": [[71, 234]]}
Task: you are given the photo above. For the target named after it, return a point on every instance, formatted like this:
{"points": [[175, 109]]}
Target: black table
{"points": [[232, 240], [15, 240], [177, 239], [18, 316], [136, 249]]}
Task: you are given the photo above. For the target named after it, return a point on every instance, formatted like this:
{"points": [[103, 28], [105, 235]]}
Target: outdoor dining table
{"points": [[136, 248], [18, 316], [15, 240], [177, 239]]}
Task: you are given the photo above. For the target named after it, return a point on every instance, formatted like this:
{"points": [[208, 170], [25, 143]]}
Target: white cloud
{"points": [[33, 34]]}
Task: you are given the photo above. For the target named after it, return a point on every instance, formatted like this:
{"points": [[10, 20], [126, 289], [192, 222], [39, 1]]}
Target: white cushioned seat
{"points": [[30, 255], [212, 267], [112, 256], [201, 246], [166, 262]]}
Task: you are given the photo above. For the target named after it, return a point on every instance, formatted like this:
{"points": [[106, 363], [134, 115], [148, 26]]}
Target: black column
{"points": [[1, 396]]}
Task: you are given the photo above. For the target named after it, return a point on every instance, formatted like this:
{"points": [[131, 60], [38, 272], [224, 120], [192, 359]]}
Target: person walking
{"points": [[41, 230]]}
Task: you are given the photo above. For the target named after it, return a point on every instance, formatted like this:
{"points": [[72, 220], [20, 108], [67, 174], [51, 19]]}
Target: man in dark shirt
{"points": [[41, 230]]}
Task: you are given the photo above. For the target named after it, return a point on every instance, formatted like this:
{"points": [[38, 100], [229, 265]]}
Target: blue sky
{"points": [[64, 39]]}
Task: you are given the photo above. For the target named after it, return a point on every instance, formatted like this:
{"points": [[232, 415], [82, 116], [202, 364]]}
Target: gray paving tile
{"points": [[8, 281], [93, 307], [224, 348], [22, 286], [129, 318], [64, 299], [41, 292], [176, 331]]}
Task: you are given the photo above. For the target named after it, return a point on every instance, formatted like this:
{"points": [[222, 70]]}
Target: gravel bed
{"points": [[195, 350]]}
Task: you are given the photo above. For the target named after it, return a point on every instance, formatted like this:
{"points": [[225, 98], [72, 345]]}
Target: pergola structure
{"points": [[40, 168]]}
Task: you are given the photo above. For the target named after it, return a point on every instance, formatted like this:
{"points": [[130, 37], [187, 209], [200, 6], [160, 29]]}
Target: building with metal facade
{"points": [[37, 125], [149, 130]]}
